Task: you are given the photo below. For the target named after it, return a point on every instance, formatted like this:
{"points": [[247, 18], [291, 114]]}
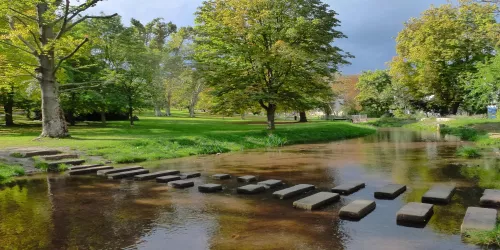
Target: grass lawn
{"points": [[154, 138]]}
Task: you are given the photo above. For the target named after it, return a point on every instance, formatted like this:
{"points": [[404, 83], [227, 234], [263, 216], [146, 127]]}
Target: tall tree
{"points": [[268, 49], [438, 48], [40, 28], [376, 93]]}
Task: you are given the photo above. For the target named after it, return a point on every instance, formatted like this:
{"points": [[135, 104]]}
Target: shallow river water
{"points": [[87, 212]]}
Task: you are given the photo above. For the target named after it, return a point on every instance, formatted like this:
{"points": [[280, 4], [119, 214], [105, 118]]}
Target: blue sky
{"points": [[371, 25]]}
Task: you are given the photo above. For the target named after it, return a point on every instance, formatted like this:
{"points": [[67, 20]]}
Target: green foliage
{"points": [[275, 141], [8, 171], [484, 86], [62, 167], [17, 155], [211, 147], [391, 122], [468, 152], [484, 238], [464, 132], [376, 93]]}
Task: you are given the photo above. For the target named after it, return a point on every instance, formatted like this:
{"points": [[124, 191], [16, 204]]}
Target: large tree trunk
{"points": [[103, 117], [169, 103], [130, 112], [158, 111], [454, 108], [8, 108], [191, 111], [271, 111], [303, 117]]}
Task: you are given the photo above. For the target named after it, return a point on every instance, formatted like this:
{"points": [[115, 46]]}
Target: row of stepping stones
{"points": [[52, 157], [412, 214]]}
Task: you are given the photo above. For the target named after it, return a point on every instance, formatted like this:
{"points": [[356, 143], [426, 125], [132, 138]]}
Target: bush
{"points": [[468, 152], [465, 133]]}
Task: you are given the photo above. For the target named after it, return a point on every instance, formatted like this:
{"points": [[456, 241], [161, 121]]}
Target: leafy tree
{"points": [[376, 94], [484, 86], [437, 49], [270, 50]]}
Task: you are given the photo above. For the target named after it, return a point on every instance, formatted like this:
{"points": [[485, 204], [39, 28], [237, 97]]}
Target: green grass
{"points": [[468, 152], [391, 122], [485, 238], [8, 171], [154, 138]]}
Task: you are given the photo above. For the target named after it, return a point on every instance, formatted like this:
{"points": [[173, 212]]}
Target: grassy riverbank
{"points": [[7, 172], [154, 138]]}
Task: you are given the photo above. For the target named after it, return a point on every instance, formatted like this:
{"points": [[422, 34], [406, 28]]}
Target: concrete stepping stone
{"points": [[415, 213], [118, 170], [181, 184], [152, 176], [357, 209], [271, 183], [210, 188], [167, 179], [439, 194], [348, 188], [40, 153], [490, 198], [479, 219], [190, 175], [251, 189], [390, 191], [54, 164], [293, 191], [85, 166], [89, 170], [127, 174], [221, 176], [247, 178], [316, 201], [59, 157]]}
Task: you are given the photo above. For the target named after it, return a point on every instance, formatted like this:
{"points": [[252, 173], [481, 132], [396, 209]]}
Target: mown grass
{"points": [[154, 138], [484, 238], [8, 171]]}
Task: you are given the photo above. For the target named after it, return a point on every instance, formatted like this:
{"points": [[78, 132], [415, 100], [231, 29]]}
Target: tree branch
{"points": [[85, 18], [24, 15], [31, 32], [70, 54], [17, 47], [65, 22], [12, 27]]}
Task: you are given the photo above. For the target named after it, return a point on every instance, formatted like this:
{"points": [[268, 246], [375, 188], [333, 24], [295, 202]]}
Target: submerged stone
{"points": [[118, 170], [348, 188], [167, 179], [190, 175], [89, 170], [316, 201], [221, 176], [209, 188], [247, 178], [357, 209], [151, 176], [479, 219], [251, 189], [271, 183], [85, 166], [439, 194], [181, 184], [490, 198], [293, 191], [127, 174], [415, 212], [390, 191]]}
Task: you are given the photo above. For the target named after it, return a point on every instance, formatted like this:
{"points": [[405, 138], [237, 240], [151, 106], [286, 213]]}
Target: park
{"points": [[261, 124]]}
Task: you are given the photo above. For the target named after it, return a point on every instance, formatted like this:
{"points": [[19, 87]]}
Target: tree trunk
{"points": [[8, 107], [103, 117], [131, 113], [169, 102], [71, 118], [303, 117], [242, 115], [158, 111], [191, 111], [271, 111], [454, 108]]}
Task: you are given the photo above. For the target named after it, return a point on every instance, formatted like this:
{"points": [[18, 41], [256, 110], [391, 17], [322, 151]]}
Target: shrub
{"points": [[468, 152]]}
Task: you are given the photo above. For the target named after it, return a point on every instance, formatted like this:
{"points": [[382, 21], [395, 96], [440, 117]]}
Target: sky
{"points": [[371, 25]]}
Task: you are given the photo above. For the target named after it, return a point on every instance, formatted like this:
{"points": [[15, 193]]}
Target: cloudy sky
{"points": [[371, 25]]}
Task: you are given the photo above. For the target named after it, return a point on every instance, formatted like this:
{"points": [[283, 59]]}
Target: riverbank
{"points": [[155, 138]]}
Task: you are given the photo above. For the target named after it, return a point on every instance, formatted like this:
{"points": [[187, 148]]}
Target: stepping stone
{"points": [[152, 176], [348, 188], [54, 164], [89, 170], [293, 191], [390, 191], [85, 166], [490, 198], [479, 219], [210, 188], [40, 152], [59, 157], [251, 189], [190, 175], [221, 176], [414, 212], [167, 179], [316, 200], [439, 194], [181, 184], [271, 183], [118, 170], [247, 178], [357, 209], [127, 174]]}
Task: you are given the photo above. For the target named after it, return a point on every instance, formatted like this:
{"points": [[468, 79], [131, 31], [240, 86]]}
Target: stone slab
{"points": [[415, 212], [439, 194], [54, 164], [127, 174], [59, 157], [293, 191], [190, 175], [348, 188], [210, 188], [118, 170], [40, 152], [271, 183], [479, 219], [152, 176], [167, 179], [89, 170], [357, 209], [221, 176], [247, 178], [85, 166], [251, 189], [316, 201], [490, 198], [390, 191], [181, 184]]}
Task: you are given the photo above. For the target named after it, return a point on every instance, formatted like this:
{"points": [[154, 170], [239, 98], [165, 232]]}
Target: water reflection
{"points": [[60, 212]]}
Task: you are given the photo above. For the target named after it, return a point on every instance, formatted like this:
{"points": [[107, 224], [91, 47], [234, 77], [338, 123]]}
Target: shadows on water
{"points": [[62, 212]]}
